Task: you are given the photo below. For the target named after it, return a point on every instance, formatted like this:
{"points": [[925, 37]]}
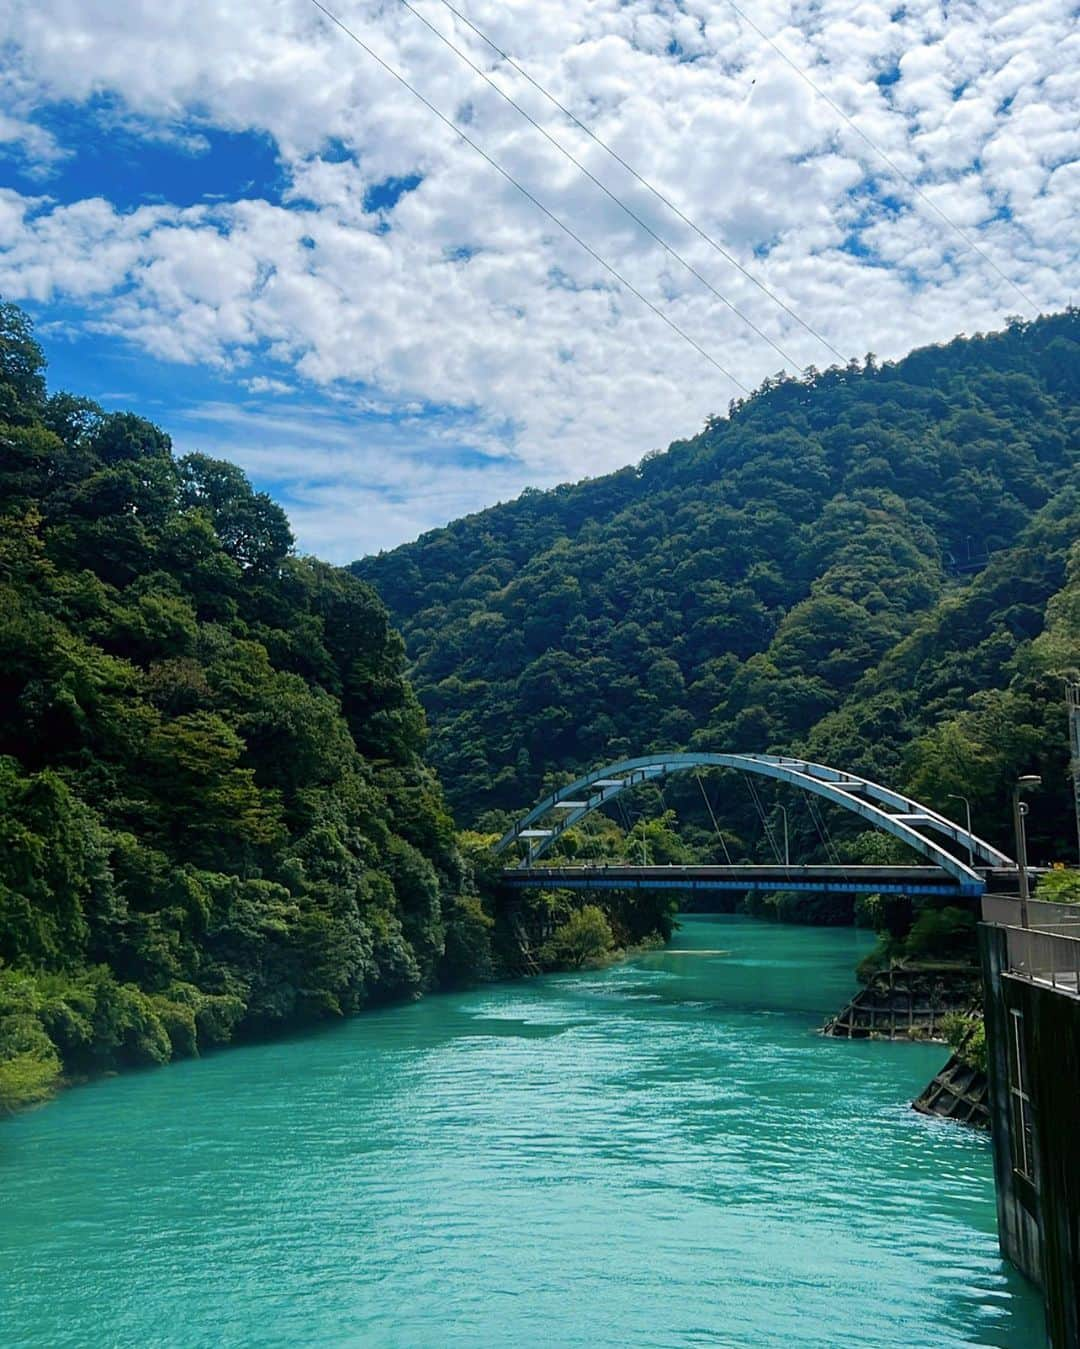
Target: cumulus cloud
{"points": [[452, 302], [32, 144], [264, 384]]}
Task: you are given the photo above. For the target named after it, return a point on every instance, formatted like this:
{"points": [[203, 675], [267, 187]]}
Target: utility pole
{"points": [[1020, 810], [1072, 702]]}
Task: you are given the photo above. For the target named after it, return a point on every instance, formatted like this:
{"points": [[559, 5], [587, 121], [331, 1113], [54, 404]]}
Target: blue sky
{"points": [[225, 216], [209, 410], [131, 162]]}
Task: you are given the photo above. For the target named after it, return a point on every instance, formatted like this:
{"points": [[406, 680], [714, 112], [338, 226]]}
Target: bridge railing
{"points": [[1045, 957], [761, 877]]}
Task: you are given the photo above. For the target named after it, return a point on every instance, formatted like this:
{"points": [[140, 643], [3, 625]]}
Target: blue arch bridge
{"points": [[969, 867]]}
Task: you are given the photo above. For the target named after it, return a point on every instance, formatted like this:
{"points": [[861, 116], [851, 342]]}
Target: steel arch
{"points": [[899, 815]]}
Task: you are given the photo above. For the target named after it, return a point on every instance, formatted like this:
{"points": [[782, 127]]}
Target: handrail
{"points": [[1051, 958]]}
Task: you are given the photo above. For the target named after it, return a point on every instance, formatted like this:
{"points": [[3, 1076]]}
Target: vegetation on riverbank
{"points": [[966, 1036], [215, 818]]}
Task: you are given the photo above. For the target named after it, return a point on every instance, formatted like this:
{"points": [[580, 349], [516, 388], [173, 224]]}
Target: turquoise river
{"points": [[661, 1153]]}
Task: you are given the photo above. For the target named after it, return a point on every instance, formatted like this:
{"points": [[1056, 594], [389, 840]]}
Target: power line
{"points": [[528, 195], [643, 224], [634, 174], [970, 243]]}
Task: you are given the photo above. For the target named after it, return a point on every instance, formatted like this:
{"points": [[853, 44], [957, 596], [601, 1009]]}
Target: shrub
{"points": [[586, 935], [967, 1038], [946, 933], [29, 1063], [1059, 886]]}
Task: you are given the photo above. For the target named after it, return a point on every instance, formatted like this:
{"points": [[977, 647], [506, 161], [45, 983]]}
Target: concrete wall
{"points": [[1038, 1223]]}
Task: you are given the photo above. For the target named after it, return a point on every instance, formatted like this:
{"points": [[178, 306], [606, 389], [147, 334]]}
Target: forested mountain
{"points": [[871, 564], [216, 817], [214, 814]]}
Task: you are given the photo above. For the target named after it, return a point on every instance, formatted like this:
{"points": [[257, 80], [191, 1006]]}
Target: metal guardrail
{"points": [[1004, 911], [1045, 956]]}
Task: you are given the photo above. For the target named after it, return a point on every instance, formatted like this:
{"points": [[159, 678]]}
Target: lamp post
{"points": [[956, 796], [787, 850], [640, 818], [1020, 810]]}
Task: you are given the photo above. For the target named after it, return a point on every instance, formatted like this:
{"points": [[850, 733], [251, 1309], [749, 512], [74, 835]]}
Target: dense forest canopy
{"points": [[214, 813], [877, 565]]}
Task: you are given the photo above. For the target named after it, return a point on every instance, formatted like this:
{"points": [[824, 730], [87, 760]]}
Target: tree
{"points": [[22, 366], [214, 817], [656, 842], [586, 935], [253, 530]]}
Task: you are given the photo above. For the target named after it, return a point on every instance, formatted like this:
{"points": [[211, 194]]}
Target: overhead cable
{"points": [[712, 816], [505, 173], [822, 827], [969, 243], [627, 210], [583, 126], [756, 798]]}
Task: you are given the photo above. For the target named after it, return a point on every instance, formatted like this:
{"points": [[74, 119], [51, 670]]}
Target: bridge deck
{"points": [[909, 880]]}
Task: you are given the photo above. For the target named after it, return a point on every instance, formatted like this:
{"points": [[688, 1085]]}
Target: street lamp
{"points": [[957, 796], [640, 818], [787, 850], [1020, 810]]}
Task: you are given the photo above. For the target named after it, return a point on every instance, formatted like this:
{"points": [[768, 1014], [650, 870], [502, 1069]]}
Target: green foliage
{"points": [[214, 816], [29, 1061], [966, 1036], [875, 566], [656, 842], [946, 934], [912, 932], [28, 1079], [1059, 887], [586, 935], [790, 906], [467, 955], [53, 869]]}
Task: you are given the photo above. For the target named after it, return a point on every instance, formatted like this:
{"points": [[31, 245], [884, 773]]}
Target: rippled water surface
{"points": [[659, 1154]]}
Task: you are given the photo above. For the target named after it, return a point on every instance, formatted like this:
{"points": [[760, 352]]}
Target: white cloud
{"points": [[335, 511], [463, 296], [31, 143], [263, 384]]}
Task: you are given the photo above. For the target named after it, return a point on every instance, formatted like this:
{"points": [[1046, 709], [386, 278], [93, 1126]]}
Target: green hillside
{"points": [[214, 814], [871, 563]]}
